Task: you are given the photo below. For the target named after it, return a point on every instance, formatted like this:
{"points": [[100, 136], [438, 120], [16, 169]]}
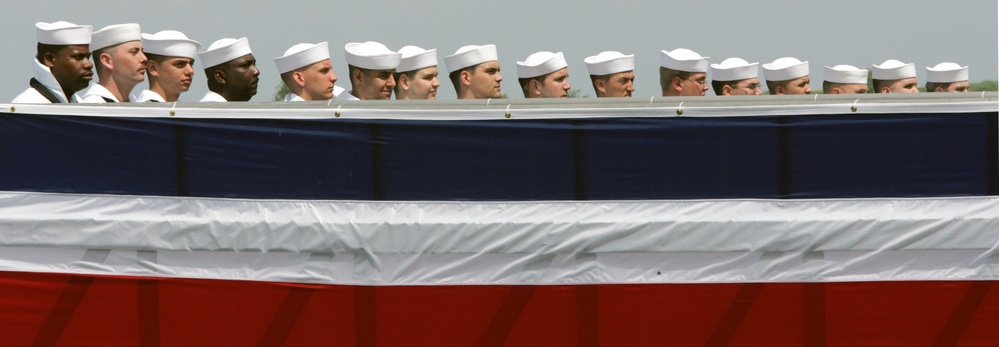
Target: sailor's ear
{"points": [[404, 81], [299, 79], [151, 68], [534, 86], [676, 83], [105, 59], [466, 78], [600, 85], [48, 59], [219, 76]]}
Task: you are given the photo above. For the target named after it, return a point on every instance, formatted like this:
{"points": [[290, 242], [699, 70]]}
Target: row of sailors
{"points": [[124, 57]]}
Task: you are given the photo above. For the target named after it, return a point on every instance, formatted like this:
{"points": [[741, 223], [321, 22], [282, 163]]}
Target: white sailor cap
{"points": [[784, 69], [62, 33], [733, 69], [224, 50], [540, 63], [609, 62], [682, 59], [415, 58], [470, 55], [946, 73], [371, 55], [170, 43], [893, 69], [302, 54], [848, 74], [114, 34]]}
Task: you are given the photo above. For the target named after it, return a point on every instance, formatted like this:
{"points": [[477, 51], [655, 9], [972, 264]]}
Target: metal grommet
{"points": [[12, 109], [336, 114], [679, 112], [853, 108], [172, 113], [507, 115]]}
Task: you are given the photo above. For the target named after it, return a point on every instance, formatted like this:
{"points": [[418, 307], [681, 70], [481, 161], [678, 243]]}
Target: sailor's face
{"points": [[485, 80], [129, 62], [957, 87], [376, 85], [749, 86], [556, 84], [799, 86], [424, 85], [72, 68], [176, 74], [620, 85], [853, 88], [242, 77], [905, 85], [319, 81], [695, 85]]}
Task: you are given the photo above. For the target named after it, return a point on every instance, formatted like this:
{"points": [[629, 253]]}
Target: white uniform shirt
{"points": [[94, 95], [44, 75], [293, 97], [213, 97], [147, 95], [337, 92], [340, 95]]}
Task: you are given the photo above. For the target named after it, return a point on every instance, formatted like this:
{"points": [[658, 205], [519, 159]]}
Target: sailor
{"points": [[787, 76], [416, 76], [61, 64], [371, 67], [119, 61], [844, 79], [683, 72], [475, 72], [894, 76], [544, 75], [735, 76], [170, 67], [306, 69], [231, 70], [947, 77], [612, 74]]}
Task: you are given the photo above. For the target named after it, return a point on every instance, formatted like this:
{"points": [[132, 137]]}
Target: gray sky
{"points": [[853, 32]]}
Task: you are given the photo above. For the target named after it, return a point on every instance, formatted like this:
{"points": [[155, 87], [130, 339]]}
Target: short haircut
{"points": [[214, 85], [772, 85], [717, 86], [352, 68], [97, 58], [666, 76], [43, 49], [827, 86], [158, 59], [595, 78], [288, 77], [350, 73], [398, 75], [879, 84], [455, 76], [931, 86], [524, 82]]}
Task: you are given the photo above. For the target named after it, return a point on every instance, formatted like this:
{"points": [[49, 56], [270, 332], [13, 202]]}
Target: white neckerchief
{"points": [[293, 97], [147, 95], [44, 75], [213, 97], [95, 94]]}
